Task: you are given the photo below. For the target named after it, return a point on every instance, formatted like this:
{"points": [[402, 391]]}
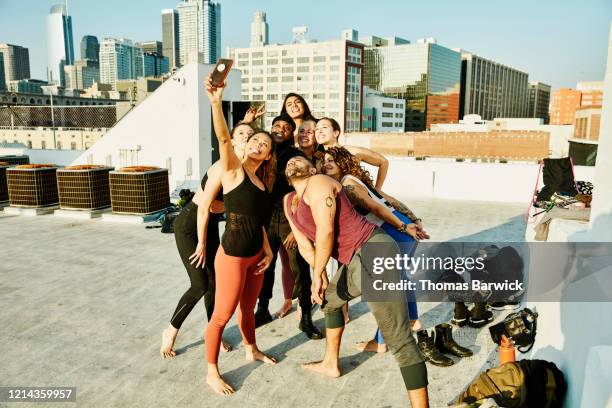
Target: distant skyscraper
{"points": [[426, 75], [199, 31], [119, 59], [2, 81], [90, 48], [151, 47], [60, 49], [539, 99], [82, 74], [170, 37], [16, 62], [492, 90], [259, 30], [299, 35], [154, 65]]}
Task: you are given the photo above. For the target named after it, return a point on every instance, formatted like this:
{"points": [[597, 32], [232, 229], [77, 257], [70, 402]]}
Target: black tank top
{"points": [[219, 196], [247, 210]]}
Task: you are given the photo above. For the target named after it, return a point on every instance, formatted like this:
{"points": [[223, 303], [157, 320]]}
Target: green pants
{"points": [[391, 317]]}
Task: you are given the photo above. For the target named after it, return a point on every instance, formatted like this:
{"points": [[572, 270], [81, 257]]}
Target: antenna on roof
{"points": [[66, 5]]}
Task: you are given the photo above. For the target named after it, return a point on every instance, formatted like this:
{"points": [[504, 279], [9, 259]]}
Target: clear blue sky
{"points": [[558, 42]]}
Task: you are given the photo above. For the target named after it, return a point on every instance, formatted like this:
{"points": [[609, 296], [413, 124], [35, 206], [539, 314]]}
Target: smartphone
{"points": [[221, 71]]}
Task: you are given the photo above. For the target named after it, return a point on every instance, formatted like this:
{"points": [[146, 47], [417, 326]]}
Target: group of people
{"points": [[296, 194]]}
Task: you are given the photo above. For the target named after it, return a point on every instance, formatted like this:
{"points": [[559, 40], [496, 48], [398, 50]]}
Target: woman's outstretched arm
{"points": [[228, 159]]}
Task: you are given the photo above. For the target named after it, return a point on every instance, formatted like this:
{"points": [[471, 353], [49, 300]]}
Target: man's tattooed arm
{"points": [[355, 198], [401, 207]]}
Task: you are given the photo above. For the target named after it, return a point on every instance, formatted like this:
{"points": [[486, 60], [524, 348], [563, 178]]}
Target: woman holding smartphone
{"points": [[244, 253]]}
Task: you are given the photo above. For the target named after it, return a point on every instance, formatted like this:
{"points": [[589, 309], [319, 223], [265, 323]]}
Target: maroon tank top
{"points": [[351, 229]]}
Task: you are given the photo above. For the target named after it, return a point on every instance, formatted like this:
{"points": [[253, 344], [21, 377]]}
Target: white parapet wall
{"points": [[448, 179], [170, 129]]}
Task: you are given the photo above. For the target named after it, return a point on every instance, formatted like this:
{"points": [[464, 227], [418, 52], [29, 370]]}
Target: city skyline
{"points": [[538, 41]]}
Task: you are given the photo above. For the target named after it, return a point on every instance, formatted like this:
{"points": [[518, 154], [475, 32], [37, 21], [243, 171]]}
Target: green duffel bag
{"points": [[505, 384]]}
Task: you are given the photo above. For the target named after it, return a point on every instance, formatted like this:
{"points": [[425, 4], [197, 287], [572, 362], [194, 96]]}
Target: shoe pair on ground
{"points": [[440, 341], [479, 315], [263, 316]]}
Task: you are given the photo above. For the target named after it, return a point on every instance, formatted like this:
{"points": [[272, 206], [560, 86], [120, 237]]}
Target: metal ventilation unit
{"points": [[139, 190], [3, 185], [15, 160], [84, 187], [32, 185]]}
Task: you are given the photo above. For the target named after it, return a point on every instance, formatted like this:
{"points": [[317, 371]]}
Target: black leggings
{"points": [[202, 278]]}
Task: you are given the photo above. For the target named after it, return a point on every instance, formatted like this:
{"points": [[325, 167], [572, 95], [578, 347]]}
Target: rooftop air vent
{"points": [[84, 187], [32, 185], [139, 190]]}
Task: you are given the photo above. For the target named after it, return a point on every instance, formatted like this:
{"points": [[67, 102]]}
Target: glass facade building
{"points": [[16, 62], [154, 65], [90, 48], [425, 75], [492, 90], [199, 23], [539, 99], [119, 59], [60, 48], [82, 74], [170, 37], [328, 74]]}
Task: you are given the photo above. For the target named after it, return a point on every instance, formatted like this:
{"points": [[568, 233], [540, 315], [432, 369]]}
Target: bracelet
{"points": [[402, 228]]}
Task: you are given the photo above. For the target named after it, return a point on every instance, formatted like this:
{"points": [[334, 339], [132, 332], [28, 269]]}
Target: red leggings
{"points": [[236, 284]]}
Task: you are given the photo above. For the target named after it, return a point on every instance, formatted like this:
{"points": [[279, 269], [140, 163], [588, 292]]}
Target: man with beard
{"points": [[279, 233], [325, 225]]}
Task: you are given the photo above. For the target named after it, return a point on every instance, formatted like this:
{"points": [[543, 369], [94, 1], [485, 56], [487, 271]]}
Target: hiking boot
{"points": [[308, 327], [461, 315], [504, 305], [262, 316], [430, 353], [446, 344], [480, 316]]}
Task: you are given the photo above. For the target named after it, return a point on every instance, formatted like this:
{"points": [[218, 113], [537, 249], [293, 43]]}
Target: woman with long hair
{"points": [[327, 133], [295, 106], [196, 232], [403, 227], [244, 253]]}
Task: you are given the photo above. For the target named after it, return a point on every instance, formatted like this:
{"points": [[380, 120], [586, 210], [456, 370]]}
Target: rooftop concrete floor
{"points": [[83, 303]]}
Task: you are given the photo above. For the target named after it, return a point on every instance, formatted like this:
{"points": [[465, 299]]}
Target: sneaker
{"points": [[504, 305]]}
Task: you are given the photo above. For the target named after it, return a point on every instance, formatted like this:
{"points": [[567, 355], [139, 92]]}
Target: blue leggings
{"points": [[407, 245]]}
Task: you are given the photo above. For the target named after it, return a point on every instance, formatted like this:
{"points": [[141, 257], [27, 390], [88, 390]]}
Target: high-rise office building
{"points": [[82, 74], [119, 59], [199, 31], [151, 47], [492, 90], [539, 100], [60, 49], [2, 81], [259, 30], [90, 48], [170, 37], [16, 62], [154, 65], [327, 74], [426, 75], [565, 101]]}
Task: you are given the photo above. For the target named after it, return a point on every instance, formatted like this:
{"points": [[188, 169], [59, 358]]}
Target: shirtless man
{"points": [[325, 224]]}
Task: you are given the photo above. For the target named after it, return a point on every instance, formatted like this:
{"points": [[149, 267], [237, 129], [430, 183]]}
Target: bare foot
{"points": [[285, 310], [371, 346], [257, 355], [168, 338], [326, 370], [298, 315], [416, 325], [218, 385], [225, 346]]}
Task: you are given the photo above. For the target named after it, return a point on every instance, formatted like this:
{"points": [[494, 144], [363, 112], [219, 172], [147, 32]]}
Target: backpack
{"points": [[519, 384]]}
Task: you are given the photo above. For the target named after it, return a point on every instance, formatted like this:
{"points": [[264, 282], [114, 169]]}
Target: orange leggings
{"points": [[236, 284]]}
